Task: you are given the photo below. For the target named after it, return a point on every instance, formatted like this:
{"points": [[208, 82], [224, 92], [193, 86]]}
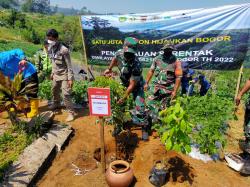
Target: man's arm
{"points": [[129, 90], [178, 75], [150, 74], [245, 89], [69, 67], [148, 78], [113, 63]]}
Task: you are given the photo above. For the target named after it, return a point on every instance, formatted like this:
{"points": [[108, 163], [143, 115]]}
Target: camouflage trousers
{"points": [[158, 99], [138, 114], [247, 122]]}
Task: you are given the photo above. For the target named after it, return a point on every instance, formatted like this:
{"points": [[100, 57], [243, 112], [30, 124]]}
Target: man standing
{"points": [[245, 145], [187, 77], [131, 76], [167, 80], [43, 62], [62, 73]]}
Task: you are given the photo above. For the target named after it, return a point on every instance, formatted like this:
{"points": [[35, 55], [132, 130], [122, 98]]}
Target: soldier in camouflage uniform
{"points": [[62, 73], [166, 82], [131, 77], [245, 145], [43, 62]]}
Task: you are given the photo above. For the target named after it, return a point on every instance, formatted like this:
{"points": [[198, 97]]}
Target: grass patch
{"points": [[11, 146], [29, 48]]}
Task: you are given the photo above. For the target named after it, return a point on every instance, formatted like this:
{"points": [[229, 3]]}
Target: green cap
{"points": [[130, 42], [130, 45], [168, 46]]}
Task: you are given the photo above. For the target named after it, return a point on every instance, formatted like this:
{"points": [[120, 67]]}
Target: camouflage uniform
{"points": [[247, 122], [43, 64], [62, 72], [133, 71], [165, 71]]}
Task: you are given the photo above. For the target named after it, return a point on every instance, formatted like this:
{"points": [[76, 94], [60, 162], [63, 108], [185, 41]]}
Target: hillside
{"points": [[27, 30]]}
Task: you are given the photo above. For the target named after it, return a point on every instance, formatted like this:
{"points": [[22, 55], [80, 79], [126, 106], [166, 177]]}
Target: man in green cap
{"points": [[131, 77], [168, 72], [245, 145]]}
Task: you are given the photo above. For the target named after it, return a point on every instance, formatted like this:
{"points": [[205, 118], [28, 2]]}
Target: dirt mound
{"points": [[183, 170]]}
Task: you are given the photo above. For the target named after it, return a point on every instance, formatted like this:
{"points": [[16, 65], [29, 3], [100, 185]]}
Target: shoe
{"points": [[34, 104], [53, 107], [71, 117], [245, 146]]}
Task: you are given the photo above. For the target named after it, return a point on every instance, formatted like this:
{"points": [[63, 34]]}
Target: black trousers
{"points": [[31, 86]]}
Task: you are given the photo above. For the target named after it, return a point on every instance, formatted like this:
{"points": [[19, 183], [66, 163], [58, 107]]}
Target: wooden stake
{"points": [[238, 82], [85, 60], [103, 162]]}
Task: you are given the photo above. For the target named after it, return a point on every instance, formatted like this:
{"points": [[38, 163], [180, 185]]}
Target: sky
{"points": [[142, 6]]}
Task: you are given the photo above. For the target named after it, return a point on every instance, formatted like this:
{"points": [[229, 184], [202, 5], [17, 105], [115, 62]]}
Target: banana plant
{"points": [[12, 95]]}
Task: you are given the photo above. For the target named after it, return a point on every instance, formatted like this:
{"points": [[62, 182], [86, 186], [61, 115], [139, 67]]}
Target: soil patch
{"points": [[183, 170]]}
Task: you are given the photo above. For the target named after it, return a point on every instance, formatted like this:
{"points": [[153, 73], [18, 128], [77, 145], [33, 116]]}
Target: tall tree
{"points": [[38, 6], [8, 3], [27, 6]]}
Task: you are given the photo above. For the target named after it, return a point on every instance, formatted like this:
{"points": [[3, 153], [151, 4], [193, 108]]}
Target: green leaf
{"points": [[188, 148], [165, 136], [183, 125], [177, 148], [168, 144]]}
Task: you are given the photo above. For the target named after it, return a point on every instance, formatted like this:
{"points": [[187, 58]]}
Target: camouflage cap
{"points": [[168, 46], [130, 45], [130, 42]]}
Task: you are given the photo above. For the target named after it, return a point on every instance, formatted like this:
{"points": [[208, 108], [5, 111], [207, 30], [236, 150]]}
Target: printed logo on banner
{"points": [[132, 19], [123, 19], [167, 17], [144, 18], [156, 17]]}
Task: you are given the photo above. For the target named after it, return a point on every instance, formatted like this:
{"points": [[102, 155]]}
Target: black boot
{"points": [[145, 135], [245, 145]]}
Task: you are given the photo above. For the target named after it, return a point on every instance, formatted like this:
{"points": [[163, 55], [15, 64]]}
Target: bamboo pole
{"points": [[103, 162], [85, 60], [238, 82]]}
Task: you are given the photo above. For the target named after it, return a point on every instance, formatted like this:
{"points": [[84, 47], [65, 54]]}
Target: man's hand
{"points": [[173, 95], [121, 101], [22, 65], [237, 100], [70, 83], [51, 76], [107, 72], [23, 62], [192, 82], [146, 87]]}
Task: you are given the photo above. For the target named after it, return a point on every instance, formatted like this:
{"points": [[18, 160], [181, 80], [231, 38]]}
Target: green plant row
{"points": [[79, 92]]}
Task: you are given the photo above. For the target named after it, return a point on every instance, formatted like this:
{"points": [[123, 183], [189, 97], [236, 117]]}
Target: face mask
{"points": [[168, 53], [51, 43], [129, 57]]}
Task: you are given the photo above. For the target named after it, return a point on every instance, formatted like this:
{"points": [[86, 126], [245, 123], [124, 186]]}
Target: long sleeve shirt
{"points": [[61, 63], [9, 64]]}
